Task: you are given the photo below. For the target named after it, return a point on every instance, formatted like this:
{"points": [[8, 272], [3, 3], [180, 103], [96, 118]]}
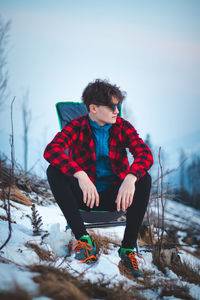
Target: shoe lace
{"points": [[134, 260], [77, 246]]}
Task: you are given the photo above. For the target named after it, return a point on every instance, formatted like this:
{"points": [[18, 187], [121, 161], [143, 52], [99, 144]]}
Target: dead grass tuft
{"points": [[43, 254], [4, 218], [188, 272], [162, 286], [16, 195], [103, 242], [16, 294], [56, 284], [196, 253], [179, 292], [173, 262], [60, 284]]}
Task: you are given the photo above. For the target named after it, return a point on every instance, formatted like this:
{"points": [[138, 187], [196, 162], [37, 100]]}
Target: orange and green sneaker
{"points": [[84, 249], [130, 261]]}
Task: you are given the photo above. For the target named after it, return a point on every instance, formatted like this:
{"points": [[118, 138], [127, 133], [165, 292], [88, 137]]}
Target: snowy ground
{"points": [[18, 256]]}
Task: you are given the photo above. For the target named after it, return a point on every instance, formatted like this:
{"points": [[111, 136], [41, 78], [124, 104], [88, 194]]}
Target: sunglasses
{"points": [[112, 106]]}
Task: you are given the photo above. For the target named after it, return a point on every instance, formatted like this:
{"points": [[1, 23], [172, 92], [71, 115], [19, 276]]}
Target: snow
{"points": [[17, 256], [11, 274]]}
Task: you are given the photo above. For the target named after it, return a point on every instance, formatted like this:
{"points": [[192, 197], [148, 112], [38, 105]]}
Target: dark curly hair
{"points": [[100, 92]]}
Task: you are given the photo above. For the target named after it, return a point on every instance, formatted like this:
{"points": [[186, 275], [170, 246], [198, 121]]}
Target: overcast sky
{"points": [[151, 49]]}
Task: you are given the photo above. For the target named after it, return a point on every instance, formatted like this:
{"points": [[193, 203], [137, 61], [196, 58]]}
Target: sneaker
{"points": [[84, 249], [130, 261]]}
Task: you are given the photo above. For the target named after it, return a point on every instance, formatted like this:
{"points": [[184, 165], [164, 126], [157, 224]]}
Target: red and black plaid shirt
{"points": [[77, 137]]}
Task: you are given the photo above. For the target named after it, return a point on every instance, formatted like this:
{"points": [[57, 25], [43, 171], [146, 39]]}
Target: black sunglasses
{"points": [[112, 106]]}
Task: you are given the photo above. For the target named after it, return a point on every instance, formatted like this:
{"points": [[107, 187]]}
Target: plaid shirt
{"points": [[77, 137]]}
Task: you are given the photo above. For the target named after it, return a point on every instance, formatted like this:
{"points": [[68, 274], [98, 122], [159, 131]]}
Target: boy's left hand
{"points": [[126, 192]]}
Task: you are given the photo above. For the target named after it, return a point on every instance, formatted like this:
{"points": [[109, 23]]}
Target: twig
{"points": [[162, 202]]}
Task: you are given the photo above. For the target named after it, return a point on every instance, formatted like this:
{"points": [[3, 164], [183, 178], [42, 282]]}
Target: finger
{"points": [[89, 198], [92, 200], [123, 202], [126, 201], [130, 200], [84, 196], [97, 198], [118, 201]]}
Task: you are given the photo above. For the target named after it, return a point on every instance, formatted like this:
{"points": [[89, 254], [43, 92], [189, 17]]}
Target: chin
{"points": [[114, 120]]}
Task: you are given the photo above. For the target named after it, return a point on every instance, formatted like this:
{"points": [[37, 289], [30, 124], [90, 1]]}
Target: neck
{"points": [[93, 118]]}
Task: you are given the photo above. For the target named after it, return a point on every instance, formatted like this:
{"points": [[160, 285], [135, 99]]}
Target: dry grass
{"points": [[42, 254], [104, 243], [196, 253], [164, 287], [59, 284], [179, 292], [4, 218], [182, 269], [16, 294], [187, 272], [17, 196], [25, 182]]}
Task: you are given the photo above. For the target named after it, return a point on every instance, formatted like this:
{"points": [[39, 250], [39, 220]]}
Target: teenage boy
{"points": [[95, 173]]}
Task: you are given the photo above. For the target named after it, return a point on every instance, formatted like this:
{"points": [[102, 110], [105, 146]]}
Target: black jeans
{"points": [[69, 197]]}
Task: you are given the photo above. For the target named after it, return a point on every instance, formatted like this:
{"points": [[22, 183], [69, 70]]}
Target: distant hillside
{"points": [[189, 143]]}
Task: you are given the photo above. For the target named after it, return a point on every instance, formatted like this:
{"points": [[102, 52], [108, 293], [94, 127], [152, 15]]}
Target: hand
{"points": [[90, 194], [126, 192]]}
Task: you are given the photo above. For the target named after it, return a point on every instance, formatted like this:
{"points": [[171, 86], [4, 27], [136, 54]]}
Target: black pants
{"points": [[69, 197]]}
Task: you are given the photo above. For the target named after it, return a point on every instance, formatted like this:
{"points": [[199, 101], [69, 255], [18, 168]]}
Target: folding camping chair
{"points": [[68, 111]]}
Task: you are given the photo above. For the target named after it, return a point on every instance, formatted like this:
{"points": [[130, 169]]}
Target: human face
{"points": [[105, 114]]}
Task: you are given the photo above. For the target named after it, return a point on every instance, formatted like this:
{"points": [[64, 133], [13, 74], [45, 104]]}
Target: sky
{"points": [[150, 49]]}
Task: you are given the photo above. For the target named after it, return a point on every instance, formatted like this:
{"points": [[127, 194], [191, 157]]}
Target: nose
{"points": [[116, 108]]}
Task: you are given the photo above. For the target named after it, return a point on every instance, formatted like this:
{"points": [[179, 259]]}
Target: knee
{"points": [[146, 181], [52, 173], [148, 178]]}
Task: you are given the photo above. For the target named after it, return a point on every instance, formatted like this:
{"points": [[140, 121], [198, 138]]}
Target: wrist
{"points": [[132, 177], [79, 174]]}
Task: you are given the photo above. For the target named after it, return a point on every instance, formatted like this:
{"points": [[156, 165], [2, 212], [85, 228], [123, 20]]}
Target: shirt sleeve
{"points": [[55, 151], [143, 158]]}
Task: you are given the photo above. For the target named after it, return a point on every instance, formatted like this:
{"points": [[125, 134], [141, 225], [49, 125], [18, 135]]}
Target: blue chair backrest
{"points": [[68, 111]]}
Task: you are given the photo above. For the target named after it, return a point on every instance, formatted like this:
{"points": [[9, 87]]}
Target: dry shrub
{"points": [[165, 257], [59, 284], [103, 242], [43, 254], [16, 294], [144, 237]]}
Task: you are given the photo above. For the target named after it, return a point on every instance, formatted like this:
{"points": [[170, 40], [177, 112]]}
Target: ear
{"points": [[93, 108]]}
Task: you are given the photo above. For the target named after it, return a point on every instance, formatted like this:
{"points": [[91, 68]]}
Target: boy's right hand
{"points": [[90, 194]]}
